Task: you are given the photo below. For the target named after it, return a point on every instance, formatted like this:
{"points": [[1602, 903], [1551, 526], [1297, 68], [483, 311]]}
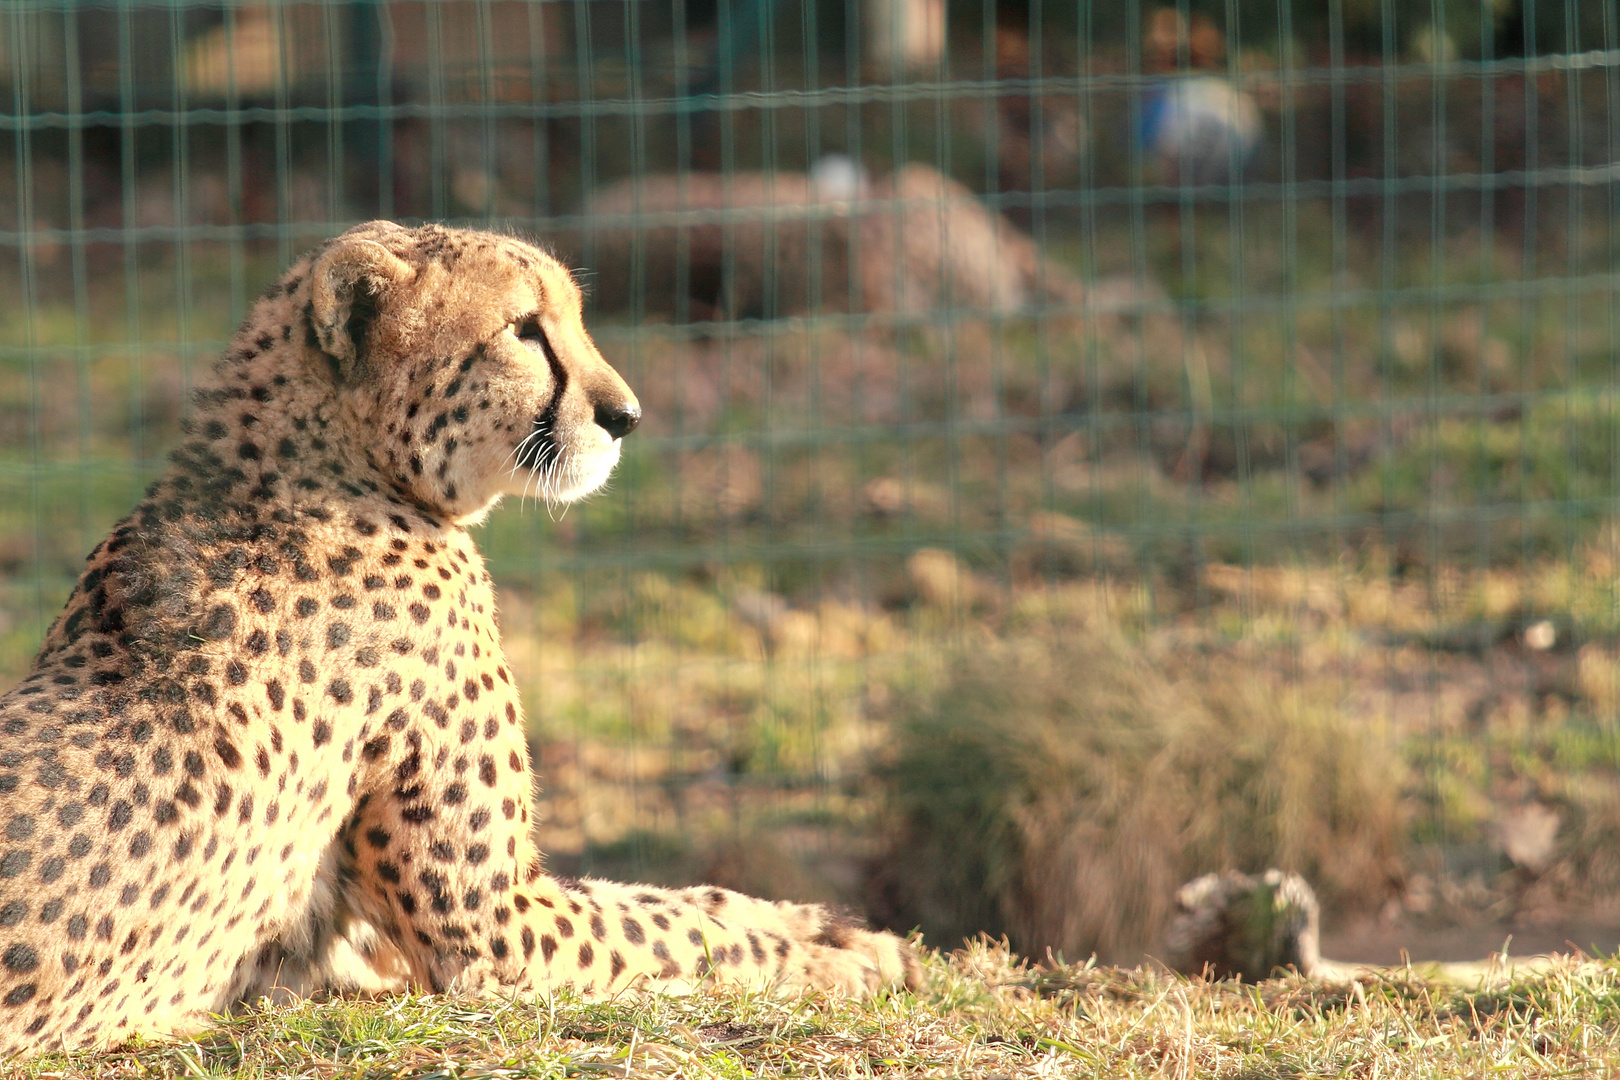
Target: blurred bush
{"points": [[1059, 784]]}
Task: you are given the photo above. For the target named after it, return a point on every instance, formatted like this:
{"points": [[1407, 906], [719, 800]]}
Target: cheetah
{"points": [[917, 242], [272, 744]]}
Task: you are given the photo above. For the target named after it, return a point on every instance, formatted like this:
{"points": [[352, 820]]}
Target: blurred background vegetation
{"points": [[1087, 444]]}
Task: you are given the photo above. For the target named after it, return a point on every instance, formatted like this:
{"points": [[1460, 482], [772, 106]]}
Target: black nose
{"points": [[618, 419]]}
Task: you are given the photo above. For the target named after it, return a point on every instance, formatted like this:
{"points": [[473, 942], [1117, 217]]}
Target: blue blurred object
{"points": [[1199, 129]]}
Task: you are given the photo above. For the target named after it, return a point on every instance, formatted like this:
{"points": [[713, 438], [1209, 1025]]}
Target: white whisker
{"points": [[538, 473], [517, 451]]}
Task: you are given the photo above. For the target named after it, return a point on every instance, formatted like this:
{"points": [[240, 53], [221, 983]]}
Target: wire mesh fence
{"points": [[1279, 348]]}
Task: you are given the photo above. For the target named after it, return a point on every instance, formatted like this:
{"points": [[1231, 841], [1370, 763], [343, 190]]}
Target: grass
{"points": [[1372, 729], [982, 1013]]}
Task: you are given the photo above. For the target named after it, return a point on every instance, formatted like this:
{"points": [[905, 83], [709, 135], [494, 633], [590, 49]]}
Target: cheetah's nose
{"points": [[618, 419]]}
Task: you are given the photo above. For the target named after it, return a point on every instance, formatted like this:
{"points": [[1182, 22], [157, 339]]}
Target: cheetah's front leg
{"points": [[439, 843], [715, 934], [601, 937], [444, 866]]}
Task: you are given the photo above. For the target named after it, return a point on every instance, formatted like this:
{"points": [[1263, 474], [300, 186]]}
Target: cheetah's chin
{"points": [[574, 476]]}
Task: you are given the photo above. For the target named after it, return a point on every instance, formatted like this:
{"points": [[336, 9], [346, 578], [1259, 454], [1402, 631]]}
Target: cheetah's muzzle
{"points": [[273, 744]]}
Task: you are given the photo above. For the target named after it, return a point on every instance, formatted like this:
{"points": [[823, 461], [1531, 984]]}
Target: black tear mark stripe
{"points": [[547, 420]]}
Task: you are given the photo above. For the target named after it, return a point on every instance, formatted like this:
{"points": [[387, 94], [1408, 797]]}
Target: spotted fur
{"points": [[273, 744]]}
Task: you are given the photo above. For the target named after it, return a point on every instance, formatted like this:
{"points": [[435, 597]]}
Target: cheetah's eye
{"points": [[528, 330]]}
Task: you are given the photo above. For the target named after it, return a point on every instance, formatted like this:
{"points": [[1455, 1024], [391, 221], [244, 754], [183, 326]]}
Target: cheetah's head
{"points": [[462, 357]]}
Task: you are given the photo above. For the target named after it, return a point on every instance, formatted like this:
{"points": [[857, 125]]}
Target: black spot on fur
{"points": [[220, 622], [20, 959]]}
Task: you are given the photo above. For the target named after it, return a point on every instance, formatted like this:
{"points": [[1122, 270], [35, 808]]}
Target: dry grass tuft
{"points": [[1057, 787]]}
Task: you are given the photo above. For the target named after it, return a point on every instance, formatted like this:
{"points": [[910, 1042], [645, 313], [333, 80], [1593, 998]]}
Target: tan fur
{"points": [[273, 741]]}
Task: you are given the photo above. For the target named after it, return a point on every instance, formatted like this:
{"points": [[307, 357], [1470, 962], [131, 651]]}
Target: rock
{"points": [[1237, 925], [1528, 835]]}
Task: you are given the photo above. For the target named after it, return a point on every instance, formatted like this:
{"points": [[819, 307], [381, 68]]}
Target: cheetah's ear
{"points": [[345, 285]]}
